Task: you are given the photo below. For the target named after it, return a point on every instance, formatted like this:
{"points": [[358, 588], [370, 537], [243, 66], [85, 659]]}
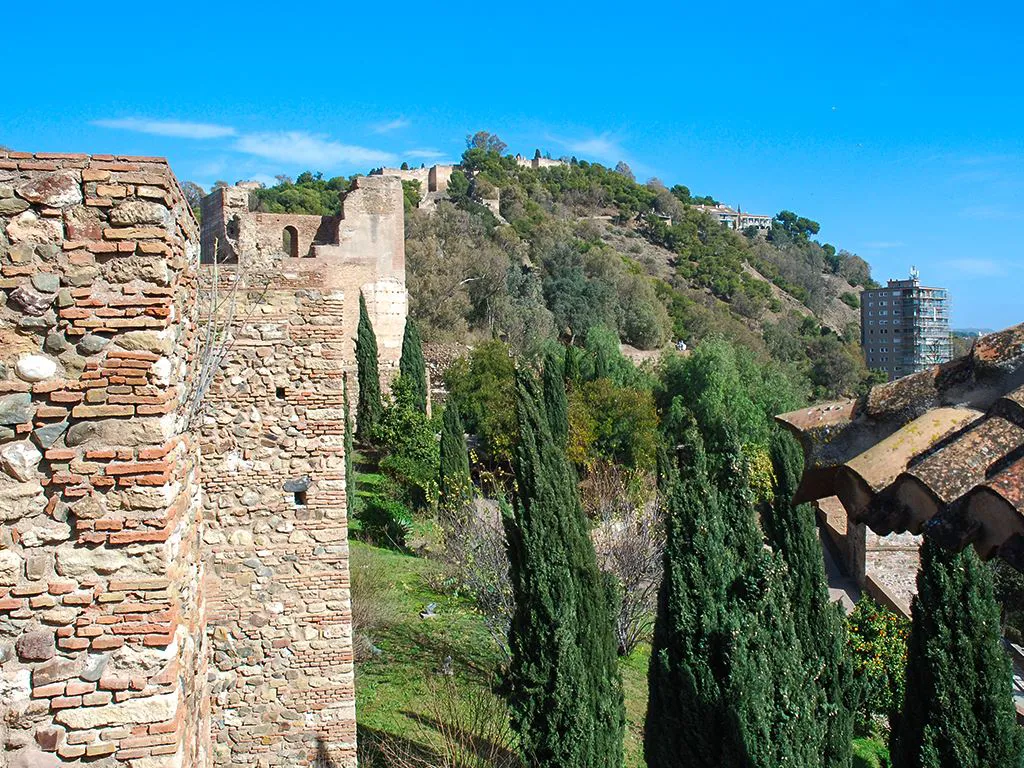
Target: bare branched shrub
{"points": [[371, 609], [455, 731], [217, 303], [475, 552], [629, 538]]}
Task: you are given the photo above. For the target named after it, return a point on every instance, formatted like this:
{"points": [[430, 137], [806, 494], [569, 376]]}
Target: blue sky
{"points": [[898, 125]]}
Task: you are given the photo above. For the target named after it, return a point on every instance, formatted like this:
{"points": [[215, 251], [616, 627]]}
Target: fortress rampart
{"points": [[174, 563]]}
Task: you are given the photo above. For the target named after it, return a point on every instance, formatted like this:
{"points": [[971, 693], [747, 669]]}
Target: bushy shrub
{"points": [[878, 643], [385, 521]]}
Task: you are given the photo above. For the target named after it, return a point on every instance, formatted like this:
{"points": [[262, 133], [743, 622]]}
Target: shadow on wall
{"points": [[322, 759]]}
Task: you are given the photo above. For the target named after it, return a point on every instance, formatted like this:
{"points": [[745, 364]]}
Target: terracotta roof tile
{"points": [[941, 449]]}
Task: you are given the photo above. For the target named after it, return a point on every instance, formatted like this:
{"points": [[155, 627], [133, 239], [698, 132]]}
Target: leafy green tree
{"points": [[958, 708], [454, 480], [798, 226], [486, 141], [407, 439], [412, 194], [483, 386], [565, 693], [368, 407], [571, 366], [878, 648], [612, 423], [412, 366], [820, 626]]}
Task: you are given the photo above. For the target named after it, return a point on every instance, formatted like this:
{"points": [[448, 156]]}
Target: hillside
{"points": [[530, 255]]}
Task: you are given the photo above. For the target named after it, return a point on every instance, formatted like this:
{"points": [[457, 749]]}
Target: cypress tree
{"points": [[819, 624], [564, 689], [350, 474], [573, 375], [454, 482], [726, 680], [368, 407], [555, 401], [958, 709], [412, 366]]}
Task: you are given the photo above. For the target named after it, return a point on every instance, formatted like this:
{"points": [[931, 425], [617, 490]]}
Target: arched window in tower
{"points": [[290, 242]]}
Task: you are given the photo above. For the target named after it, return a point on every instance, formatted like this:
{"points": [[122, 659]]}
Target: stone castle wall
{"points": [[174, 591], [102, 650]]}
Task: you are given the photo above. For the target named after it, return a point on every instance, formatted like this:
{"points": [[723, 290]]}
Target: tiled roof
{"points": [[942, 449]]}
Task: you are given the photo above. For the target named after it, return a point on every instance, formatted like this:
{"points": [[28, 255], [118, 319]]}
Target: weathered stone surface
{"points": [[29, 228], [22, 253], [137, 431], [158, 342], [56, 343], [30, 301], [55, 670], [83, 561], [94, 667], [16, 408], [138, 267], [50, 737], [139, 212], [33, 758], [92, 344], [151, 709], [36, 533], [36, 646], [46, 282], [297, 485], [10, 568], [20, 460], [12, 205], [35, 368], [55, 190], [49, 434], [82, 223], [19, 499]]}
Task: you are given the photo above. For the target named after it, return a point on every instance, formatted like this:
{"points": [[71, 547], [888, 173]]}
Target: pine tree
{"points": [[564, 689], [412, 366], [726, 680], [556, 403], [958, 709], [819, 624], [368, 407], [350, 473], [454, 482]]}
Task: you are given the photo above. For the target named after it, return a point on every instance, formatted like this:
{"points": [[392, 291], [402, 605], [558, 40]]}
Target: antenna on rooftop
{"points": [[914, 274]]}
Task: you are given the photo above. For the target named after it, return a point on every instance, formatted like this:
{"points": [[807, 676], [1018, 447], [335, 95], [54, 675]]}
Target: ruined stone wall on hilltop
{"points": [[102, 655]]}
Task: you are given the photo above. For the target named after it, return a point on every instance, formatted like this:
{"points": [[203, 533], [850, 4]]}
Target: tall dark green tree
{"points": [[350, 473], [412, 366], [555, 401], [726, 679], [368, 407], [564, 689], [958, 708], [571, 365], [454, 482], [820, 626]]}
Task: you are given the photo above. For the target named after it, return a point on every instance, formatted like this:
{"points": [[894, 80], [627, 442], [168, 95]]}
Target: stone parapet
{"points": [[102, 653]]}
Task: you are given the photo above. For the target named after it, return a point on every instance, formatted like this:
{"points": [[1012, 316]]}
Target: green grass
{"points": [[392, 687], [870, 753]]}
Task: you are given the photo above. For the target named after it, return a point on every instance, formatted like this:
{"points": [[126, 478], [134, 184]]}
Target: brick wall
{"points": [[101, 645], [276, 535]]}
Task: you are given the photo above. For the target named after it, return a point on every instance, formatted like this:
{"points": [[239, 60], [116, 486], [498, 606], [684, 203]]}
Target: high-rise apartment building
{"points": [[905, 326]]}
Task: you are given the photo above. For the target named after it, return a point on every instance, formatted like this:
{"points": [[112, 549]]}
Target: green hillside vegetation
{"points": [[582, 246]]}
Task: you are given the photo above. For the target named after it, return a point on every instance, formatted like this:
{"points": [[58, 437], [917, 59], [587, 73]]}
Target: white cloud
{"points": [[391, 125], [426, 154], [604, 147], [312, 151], [176, 128], [978, 267]]}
